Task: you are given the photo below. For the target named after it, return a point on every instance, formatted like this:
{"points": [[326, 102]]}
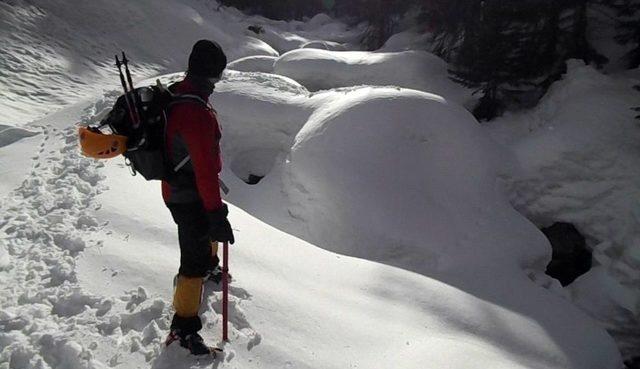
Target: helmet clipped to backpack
{"points": [[95, 144]]}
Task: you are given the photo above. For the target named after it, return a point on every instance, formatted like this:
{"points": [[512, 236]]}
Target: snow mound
{"points": [[260, 115], [319, 20], [322, 69], [324, 45], [416, 177], [282, 41], [407, 40], [260, 63]]}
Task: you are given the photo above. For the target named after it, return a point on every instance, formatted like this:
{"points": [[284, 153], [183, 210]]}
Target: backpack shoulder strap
{"points": [[179, 99]]}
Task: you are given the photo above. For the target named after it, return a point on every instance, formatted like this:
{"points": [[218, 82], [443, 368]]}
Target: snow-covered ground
{"points": [[382, 233], [577, 154]]}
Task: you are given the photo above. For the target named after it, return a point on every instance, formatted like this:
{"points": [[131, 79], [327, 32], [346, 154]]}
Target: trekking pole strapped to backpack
{"points": [[134, 96], [126, 90], [138, 122]]}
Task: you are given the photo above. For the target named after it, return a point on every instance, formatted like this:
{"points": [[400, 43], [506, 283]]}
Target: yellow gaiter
{"points": [[186, 298]]}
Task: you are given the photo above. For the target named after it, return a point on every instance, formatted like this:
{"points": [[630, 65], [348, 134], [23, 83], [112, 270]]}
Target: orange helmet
{"points": [[96, 144]]}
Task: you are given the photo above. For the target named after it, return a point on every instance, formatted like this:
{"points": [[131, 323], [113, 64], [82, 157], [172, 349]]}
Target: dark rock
{"points": [[253, 179], [571, 257], [633, 363], [256, 29]]}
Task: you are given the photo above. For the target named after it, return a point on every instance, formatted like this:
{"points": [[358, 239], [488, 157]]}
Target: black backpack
{"points": [[146, 152]]}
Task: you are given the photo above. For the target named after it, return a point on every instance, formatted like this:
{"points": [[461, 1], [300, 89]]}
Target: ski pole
{"points": [[225, 291], [125, 62], [126, 90]]}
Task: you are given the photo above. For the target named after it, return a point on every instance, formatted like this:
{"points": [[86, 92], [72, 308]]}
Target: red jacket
{"points": [[192, 129]]}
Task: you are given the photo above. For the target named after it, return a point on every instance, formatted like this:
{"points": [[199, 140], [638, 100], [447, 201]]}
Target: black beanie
{"points": [[207, 59]]}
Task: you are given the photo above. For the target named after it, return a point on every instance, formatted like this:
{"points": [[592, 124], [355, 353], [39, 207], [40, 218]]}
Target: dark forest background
{"points": [[509, 51]]}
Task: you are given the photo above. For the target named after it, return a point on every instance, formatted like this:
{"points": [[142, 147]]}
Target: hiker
{"points": [[193, 193]]}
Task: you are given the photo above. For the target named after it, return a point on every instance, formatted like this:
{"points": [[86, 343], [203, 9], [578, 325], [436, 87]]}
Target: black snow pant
{"points": [[195, 256], [193, 236]]}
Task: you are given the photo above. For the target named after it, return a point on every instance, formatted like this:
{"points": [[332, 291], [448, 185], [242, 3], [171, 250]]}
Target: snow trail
{"points": [[47, 223], [47, 318]]}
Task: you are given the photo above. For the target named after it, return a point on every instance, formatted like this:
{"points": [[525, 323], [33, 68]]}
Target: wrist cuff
{"points": [[219, 215]]}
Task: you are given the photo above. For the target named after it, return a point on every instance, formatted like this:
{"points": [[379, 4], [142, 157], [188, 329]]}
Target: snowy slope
{"points": [[434, 267], [55, 51]]}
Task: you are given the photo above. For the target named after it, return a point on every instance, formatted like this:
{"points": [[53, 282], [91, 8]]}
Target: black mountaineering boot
{"points": [[192, 342], [214, 274], [195, 344]]}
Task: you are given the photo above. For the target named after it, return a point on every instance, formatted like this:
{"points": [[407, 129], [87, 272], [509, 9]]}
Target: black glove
{"points": [[219, 227]]}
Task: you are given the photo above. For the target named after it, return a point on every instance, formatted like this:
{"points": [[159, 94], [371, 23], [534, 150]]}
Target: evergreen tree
{"points": [[382, 16], [628, 27], [508, 52], [572, 20], [637, 108], [280, 9], [445, 19], [628, 12]]}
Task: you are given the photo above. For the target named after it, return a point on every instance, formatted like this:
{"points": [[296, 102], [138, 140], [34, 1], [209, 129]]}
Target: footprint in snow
{"points": [[240, 329]]}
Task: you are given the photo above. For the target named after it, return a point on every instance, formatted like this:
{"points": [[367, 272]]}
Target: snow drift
{"points": [[9, 135]]}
